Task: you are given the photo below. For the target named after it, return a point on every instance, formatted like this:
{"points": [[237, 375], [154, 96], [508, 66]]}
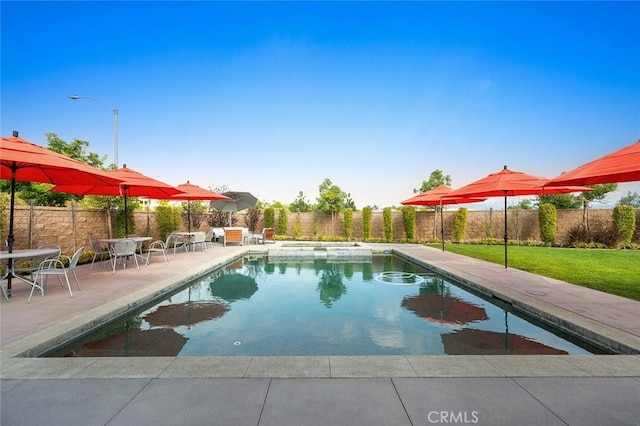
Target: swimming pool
{"points": [[260, 306]]}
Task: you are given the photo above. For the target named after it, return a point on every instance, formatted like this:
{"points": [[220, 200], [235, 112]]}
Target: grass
{"points": [[611, 271]]}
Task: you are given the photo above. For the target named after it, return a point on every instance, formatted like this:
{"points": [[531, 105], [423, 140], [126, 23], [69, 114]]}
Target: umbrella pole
{"points": [[188, 216], [505, 231], [10, 237], [441, 224], [126, 217]]}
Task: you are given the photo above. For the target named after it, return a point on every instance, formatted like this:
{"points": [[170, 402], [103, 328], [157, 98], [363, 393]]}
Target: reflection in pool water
{"points": [[313, 307]]}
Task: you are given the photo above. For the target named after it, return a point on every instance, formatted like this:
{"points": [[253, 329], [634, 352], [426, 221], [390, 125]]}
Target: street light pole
{"points": [[115, 124]]}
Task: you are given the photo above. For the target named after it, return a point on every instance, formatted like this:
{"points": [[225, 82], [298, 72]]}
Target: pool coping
{"points": [[15, 366]]}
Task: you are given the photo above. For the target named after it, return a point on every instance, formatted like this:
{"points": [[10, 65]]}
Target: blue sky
{"points": [[272, 98]]}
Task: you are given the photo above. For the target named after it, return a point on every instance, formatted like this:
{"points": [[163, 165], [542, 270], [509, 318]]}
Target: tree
{"points": [[76, 149], [525, 204], [331, 200], [436, 178], [349, 204], [598, 194], [300, 204], [560, 201], [630, 199]]}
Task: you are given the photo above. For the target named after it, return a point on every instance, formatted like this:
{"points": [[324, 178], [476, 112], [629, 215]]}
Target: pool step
{"points": [[328, 253]]}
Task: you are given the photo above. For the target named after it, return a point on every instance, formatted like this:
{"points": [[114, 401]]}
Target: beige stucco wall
{"points": [[71, 227]]}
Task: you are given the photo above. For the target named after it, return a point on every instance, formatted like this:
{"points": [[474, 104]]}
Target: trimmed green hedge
{"points": [[387, 217], [548, 218], [460, 224], [624, 219], [366, 223]]}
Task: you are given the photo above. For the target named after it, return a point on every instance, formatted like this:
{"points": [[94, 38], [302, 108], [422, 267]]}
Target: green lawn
{"points": [[611, 271]]}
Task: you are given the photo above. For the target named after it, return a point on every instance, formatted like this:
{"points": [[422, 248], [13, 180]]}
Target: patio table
{"points": [[189, 236], [16, 255], [138, 240]]}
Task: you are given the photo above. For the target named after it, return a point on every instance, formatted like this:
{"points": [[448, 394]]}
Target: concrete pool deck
{"points": [[418, 390]]}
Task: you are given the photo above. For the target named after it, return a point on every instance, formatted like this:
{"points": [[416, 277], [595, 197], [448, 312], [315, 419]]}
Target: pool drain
{"points": [[399, 278], [237, 343]]}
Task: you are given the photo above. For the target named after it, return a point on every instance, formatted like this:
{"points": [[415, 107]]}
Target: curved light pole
{"points": [[115, 124]]}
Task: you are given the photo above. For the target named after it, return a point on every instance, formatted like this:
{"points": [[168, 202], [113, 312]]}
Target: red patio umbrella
{"points": [[24, 161], [135, 342], [619, 166], [133, 184], [507, 183], [439, 196], [194, 192], [470, 341], [185, 314], [444, 309]]}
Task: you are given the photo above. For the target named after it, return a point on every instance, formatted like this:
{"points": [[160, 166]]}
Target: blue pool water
{"points": [[385, 306]]}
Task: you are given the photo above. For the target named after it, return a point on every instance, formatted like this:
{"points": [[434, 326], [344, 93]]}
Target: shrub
{"points": [[297, 227], [348, 224], [282, 222], [460, 224], [624, 220], [219, 219], [167, 219], [548, 219], [409, 220], [366, 223], [387, 217], [252, 218], [269, 217], [314, 225], [608, 236], [577, 236]]}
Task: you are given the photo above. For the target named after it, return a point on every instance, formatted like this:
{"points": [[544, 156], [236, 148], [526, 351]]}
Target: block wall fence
{"points": [[71, 227]]}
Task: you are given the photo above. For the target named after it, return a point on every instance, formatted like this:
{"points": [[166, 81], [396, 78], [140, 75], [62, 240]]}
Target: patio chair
{"points": [[177, 242], [30, 266], [159, 246], [266, 235], [218, 234], [99, 250], [209, 237], [199, 239], [233, 235], [56, 266], [139, 243], [124, 249]]}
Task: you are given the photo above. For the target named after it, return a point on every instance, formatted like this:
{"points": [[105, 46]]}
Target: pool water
{"points": [[385, 306]]}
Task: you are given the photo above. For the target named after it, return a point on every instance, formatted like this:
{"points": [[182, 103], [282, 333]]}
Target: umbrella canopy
{"points": [[619, 166], [190, 191], [236, 202], [470, 341], [136, 342], [444, 309], [233, 286], [507, 183], [185, 314], [439, 196], [133, 184], [24, 161], [194, 192]]}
